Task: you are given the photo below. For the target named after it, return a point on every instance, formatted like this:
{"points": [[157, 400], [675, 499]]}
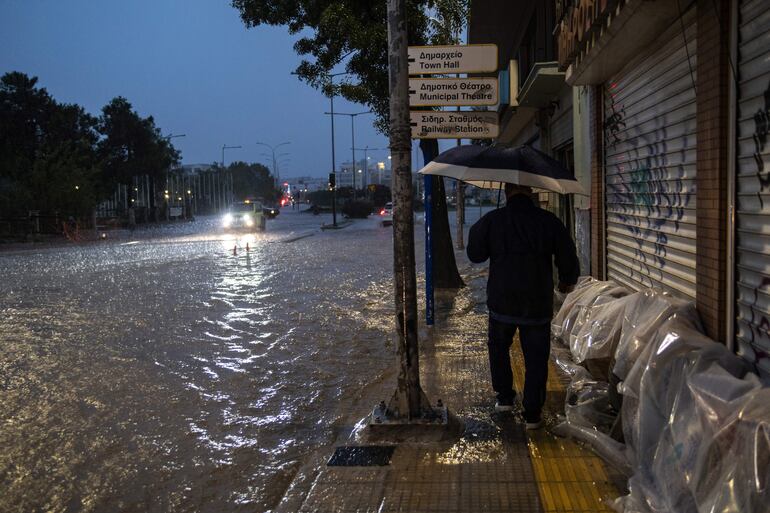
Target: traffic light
{"points": [[332, 180]]}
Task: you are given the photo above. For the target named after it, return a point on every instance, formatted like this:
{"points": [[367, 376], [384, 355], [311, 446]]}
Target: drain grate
{"points": [[362, 456]]}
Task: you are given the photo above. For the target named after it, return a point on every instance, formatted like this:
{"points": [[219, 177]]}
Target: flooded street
{"points": [[165, 373], [160, 372]]}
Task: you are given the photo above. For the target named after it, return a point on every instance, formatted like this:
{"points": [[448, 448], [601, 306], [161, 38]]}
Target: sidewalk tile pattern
{"points": [[570, 478], [494, 467]]}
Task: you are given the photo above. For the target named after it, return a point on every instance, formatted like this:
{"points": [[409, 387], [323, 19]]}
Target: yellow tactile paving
{"points": [[569, 477]]}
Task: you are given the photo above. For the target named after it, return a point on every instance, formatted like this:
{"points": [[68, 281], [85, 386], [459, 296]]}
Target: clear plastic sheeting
{"points": [[589, 415], [577, 306], [698, 435], [695, 420], [599, 334], [642, 318]]}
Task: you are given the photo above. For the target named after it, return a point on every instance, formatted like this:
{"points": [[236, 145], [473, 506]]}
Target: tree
{"points": [[132, 145], [253, 181], [48, 160], [354, 34]]}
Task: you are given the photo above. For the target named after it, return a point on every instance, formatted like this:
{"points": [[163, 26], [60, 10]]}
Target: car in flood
{"points": [[245, 216], [270, 212], [386, 214]]}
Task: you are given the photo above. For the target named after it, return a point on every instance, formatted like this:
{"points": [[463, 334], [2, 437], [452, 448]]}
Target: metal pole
{"points": [[407, 402], [334, 162], [429, 304], [460, 208], [353, 140], [460, 188], [365, 178]]}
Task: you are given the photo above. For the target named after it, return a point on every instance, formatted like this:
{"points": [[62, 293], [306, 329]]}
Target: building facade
{"points": [[662, 108]]}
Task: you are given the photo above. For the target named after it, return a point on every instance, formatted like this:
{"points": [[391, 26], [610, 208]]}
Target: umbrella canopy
{"points": [[491, 166]]}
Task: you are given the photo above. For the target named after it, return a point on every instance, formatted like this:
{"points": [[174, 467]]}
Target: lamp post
{"points": [[352, 138], [331, 76], [272, 155], [221, 195], [166, 138]]}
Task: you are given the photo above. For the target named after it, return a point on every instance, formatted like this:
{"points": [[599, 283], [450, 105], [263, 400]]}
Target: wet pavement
{"points": [[158, 371], [492, 465], [171, 370]]}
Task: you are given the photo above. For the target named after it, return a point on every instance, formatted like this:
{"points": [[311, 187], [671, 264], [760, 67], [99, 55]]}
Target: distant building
{"points": [[367, 172], [307, 183]]}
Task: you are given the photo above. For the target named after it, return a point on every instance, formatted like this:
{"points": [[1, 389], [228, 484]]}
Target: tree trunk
{"points": [[445, 273], [408, 401]]}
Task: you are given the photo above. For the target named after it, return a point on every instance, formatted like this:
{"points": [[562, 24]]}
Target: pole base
{"points": [[436, 424]]}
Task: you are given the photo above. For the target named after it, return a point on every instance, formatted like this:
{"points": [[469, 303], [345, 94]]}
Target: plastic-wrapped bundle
{"points": [[568, 304], [642, 317], [599, 335], [588, 414], [572, 313], [735, 465], [693, 394]]}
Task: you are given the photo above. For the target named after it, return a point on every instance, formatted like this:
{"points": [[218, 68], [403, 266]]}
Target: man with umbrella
{"points": [[522, 242]]}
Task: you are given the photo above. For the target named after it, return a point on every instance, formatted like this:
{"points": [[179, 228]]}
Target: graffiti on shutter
{"points": [[649, 146], [752, 290]]}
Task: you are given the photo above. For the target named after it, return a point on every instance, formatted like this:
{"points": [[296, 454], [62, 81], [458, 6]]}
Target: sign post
{"points": [[454, 125], [452, 92], [433, 60], [430, 124]]}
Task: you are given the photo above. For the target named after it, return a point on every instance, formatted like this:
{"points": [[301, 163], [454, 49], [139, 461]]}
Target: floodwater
{"points": [[160, 371]]}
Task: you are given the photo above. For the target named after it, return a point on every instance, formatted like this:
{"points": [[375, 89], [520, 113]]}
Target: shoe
{"points": [[503, 407], [531, 423]]}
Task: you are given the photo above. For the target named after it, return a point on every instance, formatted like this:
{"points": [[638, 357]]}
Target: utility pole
{"points": [[276, 175], [460, 186], [352, 138], [221, 196], [334, 161], [408, 402]]}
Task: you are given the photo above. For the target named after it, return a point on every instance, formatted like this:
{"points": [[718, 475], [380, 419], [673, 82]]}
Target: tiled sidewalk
{"points": [[494, 467]]}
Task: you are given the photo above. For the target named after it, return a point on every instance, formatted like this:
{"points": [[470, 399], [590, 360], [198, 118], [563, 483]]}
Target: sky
{"points": [[193, 66]]}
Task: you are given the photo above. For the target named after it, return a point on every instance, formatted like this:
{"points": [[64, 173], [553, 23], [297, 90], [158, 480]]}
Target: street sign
{"points": [[440, 92], [431, 60], [454, 125]]}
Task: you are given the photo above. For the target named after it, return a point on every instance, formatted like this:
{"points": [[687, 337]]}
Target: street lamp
{"points": [[272, 155], [331, 76], [222, 192], [353, 139], [226, 147]]}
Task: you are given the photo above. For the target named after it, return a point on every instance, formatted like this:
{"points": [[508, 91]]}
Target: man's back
{"points": [[521, 241]]}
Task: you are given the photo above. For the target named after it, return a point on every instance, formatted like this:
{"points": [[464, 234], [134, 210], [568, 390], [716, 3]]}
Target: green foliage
{"points": [[131, 145], [380, 195], [357, 209], [56, 157], [253, 181], [46, 150], [320, 198], [354, 33]]}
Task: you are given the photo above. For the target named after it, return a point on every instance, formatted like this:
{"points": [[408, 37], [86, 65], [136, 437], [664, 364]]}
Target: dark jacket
{"points": [[521, 241]]}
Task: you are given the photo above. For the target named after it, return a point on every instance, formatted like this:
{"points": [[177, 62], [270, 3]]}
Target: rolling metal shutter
{"points": [[649, 147], [561, 122], [752, 290]]}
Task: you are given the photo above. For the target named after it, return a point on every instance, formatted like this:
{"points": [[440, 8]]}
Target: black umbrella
{"points": [[490, 167]]}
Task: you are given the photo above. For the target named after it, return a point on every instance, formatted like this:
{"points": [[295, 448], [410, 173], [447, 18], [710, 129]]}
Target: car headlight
{"points": [[227, 220]]}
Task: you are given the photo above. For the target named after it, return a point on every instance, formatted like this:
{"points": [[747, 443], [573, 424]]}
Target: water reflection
{"points": [[169, 374]]}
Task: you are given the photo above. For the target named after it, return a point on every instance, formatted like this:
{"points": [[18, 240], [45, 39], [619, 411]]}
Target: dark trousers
{"points": [[536, 346]]}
